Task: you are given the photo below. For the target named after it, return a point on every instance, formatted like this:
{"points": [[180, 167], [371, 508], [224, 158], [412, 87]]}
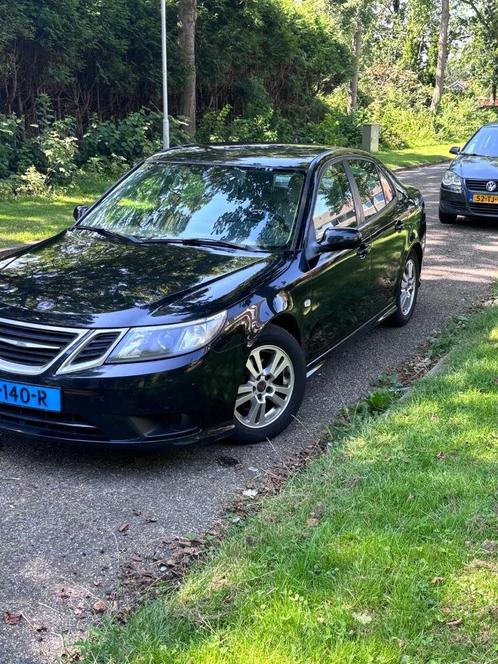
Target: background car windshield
{"points": [[249, 206], [484, 143]]}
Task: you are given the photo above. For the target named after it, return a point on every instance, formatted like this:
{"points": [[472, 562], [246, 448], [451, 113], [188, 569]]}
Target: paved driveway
{"points": [[61, 508]]}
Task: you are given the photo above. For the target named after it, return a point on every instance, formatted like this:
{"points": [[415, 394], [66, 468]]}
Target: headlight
{"points": [[159, 341], [452, 181]]}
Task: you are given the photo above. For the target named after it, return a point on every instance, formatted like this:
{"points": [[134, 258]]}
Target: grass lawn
{"points": [[384, 550], [26, 220], [429, 154], [29, 219]]}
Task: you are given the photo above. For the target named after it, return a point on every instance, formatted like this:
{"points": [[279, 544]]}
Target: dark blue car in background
{"points": [[470, 185]]}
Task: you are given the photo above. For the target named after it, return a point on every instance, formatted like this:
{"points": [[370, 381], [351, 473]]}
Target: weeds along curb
{"points": [[183, 552]]}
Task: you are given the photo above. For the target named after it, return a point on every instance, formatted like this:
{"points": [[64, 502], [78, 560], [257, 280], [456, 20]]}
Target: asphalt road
{"points": [[61, 509]]}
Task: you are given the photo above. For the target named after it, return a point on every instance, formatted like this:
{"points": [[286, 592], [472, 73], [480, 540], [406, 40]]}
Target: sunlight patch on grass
{"points": [[26, 220], [411, 157]]}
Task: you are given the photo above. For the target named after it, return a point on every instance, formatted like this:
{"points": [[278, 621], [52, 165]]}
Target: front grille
{"points": [[32, 346], [53, 425], [484, 208], [96, 348], [479, 185]]}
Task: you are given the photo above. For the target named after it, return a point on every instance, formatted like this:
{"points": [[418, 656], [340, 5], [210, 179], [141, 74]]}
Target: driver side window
{"points": [[334, 204]]}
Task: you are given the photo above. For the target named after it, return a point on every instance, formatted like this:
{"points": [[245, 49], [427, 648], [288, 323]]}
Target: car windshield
{"points": [[484, 143], [252, 207]]}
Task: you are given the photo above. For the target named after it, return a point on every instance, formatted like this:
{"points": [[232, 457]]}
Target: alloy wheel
{"points": [[267, 388], [408, 287]]}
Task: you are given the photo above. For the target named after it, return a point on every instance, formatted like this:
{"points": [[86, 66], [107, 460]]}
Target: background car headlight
{"points": [[159, 341], [452, 181]]}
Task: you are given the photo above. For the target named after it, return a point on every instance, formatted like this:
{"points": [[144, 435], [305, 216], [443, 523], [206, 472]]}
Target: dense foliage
{"points": [[80, 80], [103, 58]]}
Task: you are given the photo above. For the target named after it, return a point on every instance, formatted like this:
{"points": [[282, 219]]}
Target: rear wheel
{"points": [[406, 296], [446, 218], [272, 387]]}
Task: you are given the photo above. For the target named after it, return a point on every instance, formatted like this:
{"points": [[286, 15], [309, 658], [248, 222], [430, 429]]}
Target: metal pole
{"points": [[165, 77]]}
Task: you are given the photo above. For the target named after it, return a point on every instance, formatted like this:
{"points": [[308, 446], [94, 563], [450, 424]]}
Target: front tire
{"points": [[446, 218], [407, 292], [272, 387]]}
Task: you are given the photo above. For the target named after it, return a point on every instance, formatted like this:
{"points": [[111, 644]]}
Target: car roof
{"points": [[268, 155]]}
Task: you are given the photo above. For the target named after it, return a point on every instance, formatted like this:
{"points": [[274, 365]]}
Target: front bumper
{"points": [[451, 202], [173, 402]]}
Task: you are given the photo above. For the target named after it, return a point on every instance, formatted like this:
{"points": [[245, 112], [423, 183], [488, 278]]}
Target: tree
{"points": [[442, 55], [355, 17], [187, 18], [353, 85], [485, 20]]}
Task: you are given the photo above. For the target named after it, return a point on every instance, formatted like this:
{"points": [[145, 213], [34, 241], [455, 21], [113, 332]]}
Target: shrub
{"points": [[403, 126], [7, 189], [336, 128], [9, 143], [52, 157], [133, 138], [396, 99], [113, 166], [59, 147], [31, 183], [214, 126], [459, 116], [264, 126]]}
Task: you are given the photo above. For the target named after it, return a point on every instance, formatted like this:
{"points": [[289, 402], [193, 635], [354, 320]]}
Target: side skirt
{"points": [[315, 364]]}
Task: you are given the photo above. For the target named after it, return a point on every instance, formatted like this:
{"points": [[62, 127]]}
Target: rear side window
{"points": [[387, 187], [334, 202], [370, 188]]}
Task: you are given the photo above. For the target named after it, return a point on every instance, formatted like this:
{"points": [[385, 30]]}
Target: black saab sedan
{"points": [[196, 296], [470, 185]]}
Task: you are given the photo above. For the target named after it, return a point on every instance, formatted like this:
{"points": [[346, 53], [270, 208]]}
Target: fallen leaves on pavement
{"points": [[12, 617], [99, 606]]}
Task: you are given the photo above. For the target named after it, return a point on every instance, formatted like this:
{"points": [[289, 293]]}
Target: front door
{"points": [[340, 280]]}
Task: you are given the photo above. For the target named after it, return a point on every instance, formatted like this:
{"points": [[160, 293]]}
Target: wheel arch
{"points": [[289, 323], [418, 251]]}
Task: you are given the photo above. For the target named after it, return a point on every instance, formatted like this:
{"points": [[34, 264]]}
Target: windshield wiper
{"points": [[199, 242], [107, 233]]}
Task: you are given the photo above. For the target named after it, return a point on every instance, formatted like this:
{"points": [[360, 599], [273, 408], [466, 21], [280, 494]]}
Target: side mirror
{"points": [[455, 150], [80, 211], [337, 239]]}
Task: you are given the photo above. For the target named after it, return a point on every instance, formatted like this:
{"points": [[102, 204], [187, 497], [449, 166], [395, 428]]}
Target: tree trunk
{"points": [[442, 55], [187, 17], [353, 86]]}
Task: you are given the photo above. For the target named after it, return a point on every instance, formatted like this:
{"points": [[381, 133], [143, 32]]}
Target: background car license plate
{"points": [[485, 198], [30, 396]]}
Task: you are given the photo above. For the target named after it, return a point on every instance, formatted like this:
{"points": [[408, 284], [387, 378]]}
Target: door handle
{"points": [[363, 250], [399, 225]]}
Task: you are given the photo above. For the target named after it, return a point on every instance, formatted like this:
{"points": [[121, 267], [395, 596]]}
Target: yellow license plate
{"points": [[485, 198]]}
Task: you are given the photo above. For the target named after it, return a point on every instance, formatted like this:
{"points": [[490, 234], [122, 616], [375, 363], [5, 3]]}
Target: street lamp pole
{"points": [[165, 77]]}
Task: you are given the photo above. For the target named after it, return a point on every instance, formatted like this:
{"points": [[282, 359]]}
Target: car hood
{"points": [[83, 279], [481, 168]]}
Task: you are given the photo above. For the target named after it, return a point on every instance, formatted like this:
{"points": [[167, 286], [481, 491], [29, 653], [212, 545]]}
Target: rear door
{"points": [[383, 228]]}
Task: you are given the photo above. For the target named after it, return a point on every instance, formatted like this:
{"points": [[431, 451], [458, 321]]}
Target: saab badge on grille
{"points": [[45, 305], [491, 185]]}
